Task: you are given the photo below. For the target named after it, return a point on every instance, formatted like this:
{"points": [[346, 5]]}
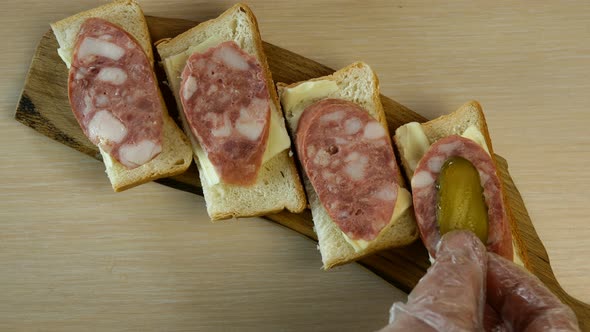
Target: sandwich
{"points": [[357, 195], [220, 78], [455, 183], [114, 94]]}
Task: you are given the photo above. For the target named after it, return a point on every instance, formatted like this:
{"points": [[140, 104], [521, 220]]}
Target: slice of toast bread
{"points": [[455, 123], [175, 157], [359, 84], [278, 185]]}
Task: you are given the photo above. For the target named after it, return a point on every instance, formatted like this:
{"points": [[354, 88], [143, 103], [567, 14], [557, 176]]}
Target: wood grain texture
{"points": [[528, 65], [44, 107]]}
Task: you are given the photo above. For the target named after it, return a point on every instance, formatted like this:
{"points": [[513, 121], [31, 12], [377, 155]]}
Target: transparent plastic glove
{"points": [[451, 296], [522, 302]]}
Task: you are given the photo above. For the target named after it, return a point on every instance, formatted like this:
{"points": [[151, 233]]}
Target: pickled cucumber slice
{"points": [[460, 201]]}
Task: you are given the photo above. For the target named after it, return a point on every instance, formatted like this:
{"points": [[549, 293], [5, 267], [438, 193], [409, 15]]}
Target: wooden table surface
{"points": [[74, 255]]}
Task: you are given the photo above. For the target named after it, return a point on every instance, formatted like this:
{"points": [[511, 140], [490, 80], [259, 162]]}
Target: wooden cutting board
{"points": [[44, 107]]}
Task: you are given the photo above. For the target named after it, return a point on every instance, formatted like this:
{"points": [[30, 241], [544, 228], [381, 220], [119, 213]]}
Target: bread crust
{"points": [[216, 207], [334, 248], [455, 123], [67, 28], [175, 157]]}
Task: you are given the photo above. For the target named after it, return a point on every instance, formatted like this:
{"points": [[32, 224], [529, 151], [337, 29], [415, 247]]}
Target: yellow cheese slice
{"points": [[278, 139], [473, 133], [295, 100], [414, 143], [403, 202]]}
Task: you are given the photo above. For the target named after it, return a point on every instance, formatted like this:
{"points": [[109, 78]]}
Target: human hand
{"points": [[452, 295]]}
